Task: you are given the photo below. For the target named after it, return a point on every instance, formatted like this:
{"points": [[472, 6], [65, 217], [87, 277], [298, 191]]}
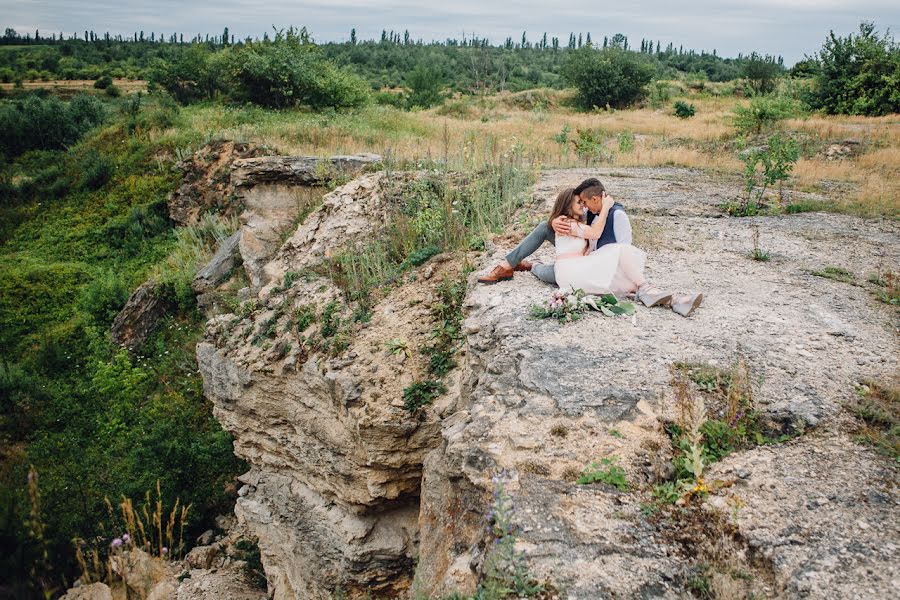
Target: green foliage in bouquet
{"points": [[566, 307]]}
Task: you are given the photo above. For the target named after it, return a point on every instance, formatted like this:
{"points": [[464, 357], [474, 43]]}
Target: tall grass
{"points": [[151, 527], [194, 246], [443, 210]]}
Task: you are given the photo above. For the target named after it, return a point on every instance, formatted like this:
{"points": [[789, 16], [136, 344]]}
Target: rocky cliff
{"points": [[350, 494]]}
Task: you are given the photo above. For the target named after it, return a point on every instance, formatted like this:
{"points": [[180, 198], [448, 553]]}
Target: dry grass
{"points": [[470, 131]]}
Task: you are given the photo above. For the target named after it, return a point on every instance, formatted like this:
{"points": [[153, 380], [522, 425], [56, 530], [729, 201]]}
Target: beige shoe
{"points": [[685, 305], [652, 296]]}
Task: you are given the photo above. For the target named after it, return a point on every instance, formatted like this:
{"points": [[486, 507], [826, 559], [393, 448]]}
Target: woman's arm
{"points": [[593, 232]]}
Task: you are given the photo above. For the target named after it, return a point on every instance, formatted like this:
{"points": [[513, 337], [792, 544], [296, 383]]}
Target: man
{"points": [[591, 192]]}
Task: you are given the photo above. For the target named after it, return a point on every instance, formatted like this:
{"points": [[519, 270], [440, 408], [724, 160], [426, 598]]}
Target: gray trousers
{"points": [[542, 233]]}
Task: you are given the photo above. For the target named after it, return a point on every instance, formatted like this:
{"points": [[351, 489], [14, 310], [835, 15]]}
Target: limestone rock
{"points": [[298, 170], [345, 489], [202, 557], [139, 317], [91, 591], [219, 267], [206, 182]]}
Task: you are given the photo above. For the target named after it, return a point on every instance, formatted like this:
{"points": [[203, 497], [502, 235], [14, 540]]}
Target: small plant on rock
{"points": [[607, 471], [505, 569], [757, 253], [836, 273], [422, 393]]}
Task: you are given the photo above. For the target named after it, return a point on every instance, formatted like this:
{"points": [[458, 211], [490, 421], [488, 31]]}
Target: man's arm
{"points": [[622, 228], [560, 225]]}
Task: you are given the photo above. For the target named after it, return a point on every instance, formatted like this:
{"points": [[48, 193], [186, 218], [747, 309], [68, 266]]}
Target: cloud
{"points": [[787, 27]]}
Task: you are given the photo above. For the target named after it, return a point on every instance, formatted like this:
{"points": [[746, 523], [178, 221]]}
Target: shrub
{"points": [[763, 167], [610, 77], [424, 87], [103, 298], [96, 170], [193, 75], [291, 70], [113, 91], [761, 73], [36, 123], [103, 83], [859, 74], [764, 112], [683, 110]]}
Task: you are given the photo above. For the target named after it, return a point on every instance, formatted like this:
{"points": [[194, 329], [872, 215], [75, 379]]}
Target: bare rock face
{"points": [[274, 192], [206, 183], [298, 170], [219, 267], [91, 591], [139, 317], [337, 459]]}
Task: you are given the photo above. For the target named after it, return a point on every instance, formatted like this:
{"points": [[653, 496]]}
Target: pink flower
{"points": [[126, 538], [116, 543]]}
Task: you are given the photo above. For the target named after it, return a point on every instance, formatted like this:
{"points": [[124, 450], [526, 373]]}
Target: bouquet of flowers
{"points": [[566, 307]]}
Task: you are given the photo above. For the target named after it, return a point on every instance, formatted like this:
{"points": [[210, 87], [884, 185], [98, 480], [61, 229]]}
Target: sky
{"points": [[790, 28]]}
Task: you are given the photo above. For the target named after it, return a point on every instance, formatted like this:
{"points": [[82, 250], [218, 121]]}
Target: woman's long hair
{"points": [[563, 205]]}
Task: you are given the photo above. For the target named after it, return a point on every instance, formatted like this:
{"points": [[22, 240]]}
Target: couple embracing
{"points": [[592, 235]]}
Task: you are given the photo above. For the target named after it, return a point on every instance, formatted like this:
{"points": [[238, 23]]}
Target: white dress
{"points": [[611, 269]]}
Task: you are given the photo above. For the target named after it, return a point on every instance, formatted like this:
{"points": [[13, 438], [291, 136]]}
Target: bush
{"points": [[761, 73], [103, 298], [859, 75], [610, 77], [683, 110], [36, 123], [96, 170], [113, 91], [192, 75], [291, 70], [763, 112], [424, 85], [103, 82]]}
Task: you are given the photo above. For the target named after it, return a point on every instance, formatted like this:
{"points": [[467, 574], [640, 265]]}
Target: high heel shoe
{"points": [[652, 296], [685, 305]]}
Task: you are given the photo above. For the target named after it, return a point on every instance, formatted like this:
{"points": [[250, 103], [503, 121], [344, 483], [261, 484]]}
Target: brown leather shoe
{"points": [[523, 266], [498, 273]]}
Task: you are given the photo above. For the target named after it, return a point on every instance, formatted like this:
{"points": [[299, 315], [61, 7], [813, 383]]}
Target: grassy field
{"points": [[542, 126], [67, 86]]}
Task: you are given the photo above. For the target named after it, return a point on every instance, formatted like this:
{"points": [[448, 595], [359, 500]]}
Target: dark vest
{"points": [[609, 235]]}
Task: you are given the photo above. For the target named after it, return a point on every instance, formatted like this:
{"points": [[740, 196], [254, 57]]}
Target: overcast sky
{"points": [[791, 28]]}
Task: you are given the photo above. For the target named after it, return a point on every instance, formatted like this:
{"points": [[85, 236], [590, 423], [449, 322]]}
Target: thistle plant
{"points": [[505, 569]]}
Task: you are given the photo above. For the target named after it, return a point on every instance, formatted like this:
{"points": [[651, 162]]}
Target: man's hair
{"points": [[594, 190], [588, 183]]}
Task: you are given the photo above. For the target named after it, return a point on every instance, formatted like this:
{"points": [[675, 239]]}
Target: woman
{"points": [[611, 269]]}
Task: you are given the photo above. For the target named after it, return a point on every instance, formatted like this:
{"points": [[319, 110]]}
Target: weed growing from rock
{"points": [[878, 409], [835, 273], [505, 569], [889, 285], [757, 253], [607, 471], [421, 394]]}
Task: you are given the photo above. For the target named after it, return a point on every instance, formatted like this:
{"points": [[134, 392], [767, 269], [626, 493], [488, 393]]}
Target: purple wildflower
{"points": [[116, 543]]}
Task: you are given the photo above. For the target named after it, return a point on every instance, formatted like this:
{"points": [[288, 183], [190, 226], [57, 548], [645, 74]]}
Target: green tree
{"points": [[425, 87], [610, 77], [761, 73], [291, 70], [860, 74]]}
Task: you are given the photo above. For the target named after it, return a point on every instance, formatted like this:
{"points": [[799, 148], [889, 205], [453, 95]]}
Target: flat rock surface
{"points": [[544, 400]]}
